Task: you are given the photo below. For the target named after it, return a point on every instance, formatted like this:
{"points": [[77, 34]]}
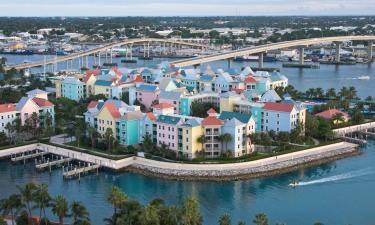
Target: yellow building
{"points": [[58, 88], [90, 82], [103, 87], [188, 135], [107, 118], [227, 101]]}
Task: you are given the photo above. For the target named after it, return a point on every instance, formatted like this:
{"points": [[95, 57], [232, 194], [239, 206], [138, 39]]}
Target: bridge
{"points": [[108, 49], [261, 49]]}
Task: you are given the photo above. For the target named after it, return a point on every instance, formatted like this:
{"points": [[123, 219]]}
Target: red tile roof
{"points": [[92, 104], [274, 106], [90, 73], [238, 90], [151, 116], [250, 79], [212, 121], [329, 114], [42, 102], [163, 106], [113, 110], [138, 78], [212, 110], [7, 108]]}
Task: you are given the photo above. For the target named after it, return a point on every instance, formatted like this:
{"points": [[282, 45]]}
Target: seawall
{"points": [[189, 171]]}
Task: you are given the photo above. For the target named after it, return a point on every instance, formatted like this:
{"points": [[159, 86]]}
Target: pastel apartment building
{"points": [[36, 102]]}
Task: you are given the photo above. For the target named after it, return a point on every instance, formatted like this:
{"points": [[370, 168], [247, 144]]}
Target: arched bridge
{"points": [[104, 49], [274, 46]]}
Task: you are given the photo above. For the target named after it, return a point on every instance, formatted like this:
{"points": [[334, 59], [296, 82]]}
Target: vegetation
{"points": [[125, 210], [199, 109]]}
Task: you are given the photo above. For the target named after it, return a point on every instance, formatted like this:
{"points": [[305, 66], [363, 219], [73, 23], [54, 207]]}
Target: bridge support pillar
{"points": [[87, 62], [148, 50], [229, 63], [260, 60], [111, 55], [301, 56], [196, 66], [338, 50], [99, 59], [106, 55], [370, 52]]}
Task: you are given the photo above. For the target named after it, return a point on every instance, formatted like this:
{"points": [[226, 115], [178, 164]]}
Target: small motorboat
{"points": [[294, 184], [363, 78]]}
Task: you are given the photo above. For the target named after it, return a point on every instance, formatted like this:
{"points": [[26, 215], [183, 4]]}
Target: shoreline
{"points": [[203, 172], [242, 174]]}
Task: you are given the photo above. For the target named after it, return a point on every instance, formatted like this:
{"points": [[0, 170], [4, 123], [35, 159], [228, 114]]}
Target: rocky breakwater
{"points": [[245, 170]]}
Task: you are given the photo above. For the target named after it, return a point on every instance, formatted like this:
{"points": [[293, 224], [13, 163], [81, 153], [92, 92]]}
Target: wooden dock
{"points": [[53, 163], [355, 140], [76, 172], [370, 134], [25, 157]]}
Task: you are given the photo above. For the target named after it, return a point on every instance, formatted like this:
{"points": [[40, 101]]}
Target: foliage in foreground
{"points": [[125, 210]]}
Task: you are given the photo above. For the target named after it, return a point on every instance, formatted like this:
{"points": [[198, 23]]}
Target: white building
{"points": [[8, 114]]}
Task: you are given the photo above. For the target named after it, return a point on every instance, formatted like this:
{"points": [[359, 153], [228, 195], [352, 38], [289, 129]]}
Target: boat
{"points": [[363, 77], [294, 184], [129, 61], [145, 58]]}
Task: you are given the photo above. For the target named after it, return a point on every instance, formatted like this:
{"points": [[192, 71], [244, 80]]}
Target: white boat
{"points": [[294, 184], [363, 78]]}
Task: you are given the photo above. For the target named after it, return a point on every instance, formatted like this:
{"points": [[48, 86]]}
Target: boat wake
{"points": [[343, 176]]}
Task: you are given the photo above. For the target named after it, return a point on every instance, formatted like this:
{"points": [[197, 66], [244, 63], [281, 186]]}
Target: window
{"points": [[187, 139], [187, 131]]}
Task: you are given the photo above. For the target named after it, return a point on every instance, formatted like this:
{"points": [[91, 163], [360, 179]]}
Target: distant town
{"points": [[182, 98]]}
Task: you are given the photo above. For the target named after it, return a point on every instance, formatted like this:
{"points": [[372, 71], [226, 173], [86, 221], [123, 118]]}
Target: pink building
{"points": [[171, 97], [147, 94], [167, 131]]}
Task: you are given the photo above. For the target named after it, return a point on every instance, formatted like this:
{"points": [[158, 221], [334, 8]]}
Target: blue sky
{"points": [[184, 7]]}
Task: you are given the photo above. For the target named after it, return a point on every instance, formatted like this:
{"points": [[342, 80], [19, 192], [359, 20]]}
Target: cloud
{"points": [[184, 8]]}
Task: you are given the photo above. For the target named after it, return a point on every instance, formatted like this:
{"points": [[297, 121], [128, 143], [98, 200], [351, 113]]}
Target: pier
{"points": [[76, 172], [50, 164], [357, 134], [27, 155]]}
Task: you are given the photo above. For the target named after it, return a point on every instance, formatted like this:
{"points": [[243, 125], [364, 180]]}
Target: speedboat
{"points": [[294, 184], [363, 78]]}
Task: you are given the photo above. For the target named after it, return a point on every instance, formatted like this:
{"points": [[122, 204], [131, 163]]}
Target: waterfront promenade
{"points": [[228, 171]]}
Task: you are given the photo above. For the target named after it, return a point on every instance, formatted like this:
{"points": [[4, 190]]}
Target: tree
{"points": [[190, 214], [109, 138], [202, 140], [42, 199], [79, 213], [225, 220], [260, 219], [93, 135], [357, 116], [369, 99], [11, 206], [331, 93], [225, 138], [60, 208], [337, 118], [27, 196], [151, 216], [116, 197]]}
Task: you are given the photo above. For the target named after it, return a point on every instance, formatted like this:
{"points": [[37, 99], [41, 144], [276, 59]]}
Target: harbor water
{"points": [[340, 192]]}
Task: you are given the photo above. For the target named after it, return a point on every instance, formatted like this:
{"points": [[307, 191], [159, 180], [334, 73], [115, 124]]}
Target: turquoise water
{"points": [[340, 192]]}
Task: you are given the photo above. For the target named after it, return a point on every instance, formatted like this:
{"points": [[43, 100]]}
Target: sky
{"points": [[184, 7]]}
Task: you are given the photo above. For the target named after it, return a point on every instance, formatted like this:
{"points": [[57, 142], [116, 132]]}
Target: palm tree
{"points": [[225, 138], [108, 136], [79, 213], [60, 208], [190, 214], [116, 197], [225, 220], [27, 196], [241, 223], [331, 93], [338, 118], [261, 219], [202, 140], [93, 134], [42, 199], [319, 92], [11, 206]]}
